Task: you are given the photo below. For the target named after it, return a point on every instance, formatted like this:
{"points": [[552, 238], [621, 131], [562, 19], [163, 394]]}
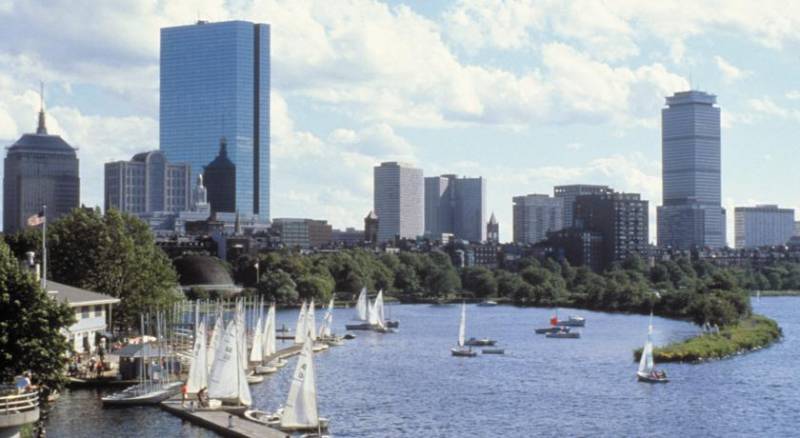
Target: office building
{"points": [[371, 227], [40, 170], [621, 219], [763, 225], [302, 233], [215, 82], [455, 206], [147, 183], [399, 201], [569, 192], [691, 215], [535, 216], [219, 177]]}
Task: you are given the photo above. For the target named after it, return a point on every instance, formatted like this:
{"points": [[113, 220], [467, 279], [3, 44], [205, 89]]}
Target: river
{"points": [[407, 384]]}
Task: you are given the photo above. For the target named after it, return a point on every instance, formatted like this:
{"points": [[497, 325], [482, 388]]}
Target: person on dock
{"points": [[184, 394], [202, 397]]}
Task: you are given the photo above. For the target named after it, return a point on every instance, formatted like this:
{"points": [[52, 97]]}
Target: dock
{"points": [[217, 421]]}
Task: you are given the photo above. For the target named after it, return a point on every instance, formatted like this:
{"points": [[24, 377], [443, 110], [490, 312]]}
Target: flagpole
{"points": [[44, 247]]}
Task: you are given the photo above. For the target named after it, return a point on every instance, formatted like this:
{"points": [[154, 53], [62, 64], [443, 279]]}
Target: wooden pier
{"points": [[218, 421]]}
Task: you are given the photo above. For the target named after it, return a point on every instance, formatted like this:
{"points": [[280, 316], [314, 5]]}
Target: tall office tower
{"points": [[621, 219], [147, 184], [692, 213], [493, 230], [763, 225], [456, 206], [371, 224], [398, 201], [797, 228], [40, 169], [535, 216], [569, 192], [215, 82]]}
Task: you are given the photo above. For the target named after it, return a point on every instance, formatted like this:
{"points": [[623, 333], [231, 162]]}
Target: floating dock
{"points": [[218, 421]]}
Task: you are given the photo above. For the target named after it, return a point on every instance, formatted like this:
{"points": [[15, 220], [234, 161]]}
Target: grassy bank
{"points": [[750, 334]]}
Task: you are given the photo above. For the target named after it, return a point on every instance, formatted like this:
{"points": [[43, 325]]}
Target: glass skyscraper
{"points": [[692, 213], [455, 205], [215, 83]]}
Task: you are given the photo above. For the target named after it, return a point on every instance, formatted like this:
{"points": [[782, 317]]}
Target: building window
{"points": [[85, 312], [98, 310]]}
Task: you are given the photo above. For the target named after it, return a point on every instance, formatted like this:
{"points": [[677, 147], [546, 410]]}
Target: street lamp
{"points": [[257, 275]]}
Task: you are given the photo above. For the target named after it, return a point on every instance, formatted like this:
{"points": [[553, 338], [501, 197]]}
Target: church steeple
{"points": [[41, 129]]}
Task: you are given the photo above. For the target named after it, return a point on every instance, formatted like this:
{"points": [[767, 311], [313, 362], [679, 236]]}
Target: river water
{"points": [[407, 384]]}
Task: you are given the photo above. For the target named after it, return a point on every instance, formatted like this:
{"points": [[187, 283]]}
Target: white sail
{"points": [[646, 363], [228, 380], [327, 321], [372, 315], [216, 335], [311, 322], [378, 309], [198, 370], [300, 410], [462, 327], [300, 330], [241, 330], [257, 351], [270, 342], [362, 305]]}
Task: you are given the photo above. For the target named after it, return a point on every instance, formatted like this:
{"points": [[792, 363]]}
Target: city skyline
{"points": [[596, 125]]}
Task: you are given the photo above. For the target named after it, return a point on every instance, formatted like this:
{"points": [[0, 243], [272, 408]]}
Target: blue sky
{"points": [[527, 94]]}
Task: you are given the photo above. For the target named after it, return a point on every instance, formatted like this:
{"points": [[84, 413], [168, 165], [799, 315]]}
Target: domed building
{"points": [[40, 170], [204, 272]]}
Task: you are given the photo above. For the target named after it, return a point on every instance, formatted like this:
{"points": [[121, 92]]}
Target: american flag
{"points": [[36, 220]]}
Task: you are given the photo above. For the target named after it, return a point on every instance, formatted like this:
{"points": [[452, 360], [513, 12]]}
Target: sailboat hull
{"points": [[463, 352], [647, 378], [131, 396], [363, 326]]}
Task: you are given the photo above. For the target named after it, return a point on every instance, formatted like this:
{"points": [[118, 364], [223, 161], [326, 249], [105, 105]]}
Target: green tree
{"points": [[114, 254], [480, 281], [278, 286], [30, 327]]}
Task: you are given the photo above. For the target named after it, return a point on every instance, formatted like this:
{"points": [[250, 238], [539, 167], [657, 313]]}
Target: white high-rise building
{"points": [[399, 201], [535, 216], [763, 225]]}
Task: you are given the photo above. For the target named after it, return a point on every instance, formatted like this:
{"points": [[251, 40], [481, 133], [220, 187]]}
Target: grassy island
{"points": [[749, 334]]}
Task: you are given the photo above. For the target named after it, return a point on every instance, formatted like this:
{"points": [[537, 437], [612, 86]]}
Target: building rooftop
{"points": [[201, 270], [691, 96], [75, 296]]}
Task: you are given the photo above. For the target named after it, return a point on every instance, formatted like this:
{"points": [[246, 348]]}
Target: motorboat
{"points": [[573, 321], [544, 331], [484, 342], [392, 323], [461, 350], [142, 394], [487, 303], [360, 326], [563, 334], [349, 336], [493, 351]]}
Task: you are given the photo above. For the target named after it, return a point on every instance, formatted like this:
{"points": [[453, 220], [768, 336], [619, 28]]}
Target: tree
{"points": [[278, 286], [30, 327], [114, 254], [480, 281]]}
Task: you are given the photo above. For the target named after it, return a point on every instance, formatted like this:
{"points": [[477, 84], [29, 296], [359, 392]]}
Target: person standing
{"points": [[184, 394]]}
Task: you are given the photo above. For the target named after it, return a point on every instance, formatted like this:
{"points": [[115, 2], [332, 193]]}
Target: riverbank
{"points": [[776, 293], [753, 333]]}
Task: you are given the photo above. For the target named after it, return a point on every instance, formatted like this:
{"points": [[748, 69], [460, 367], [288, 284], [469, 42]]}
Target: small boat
{"points": [[493, 351], [487, 303], [265, 369], [461, 350], [253, 379], [647, 371], [360, 326], [274, 418], [142, 394], [563, 334], [278, 363], [349, 336], [484, 342], [573, 321], [544, 331], [392, 324]]}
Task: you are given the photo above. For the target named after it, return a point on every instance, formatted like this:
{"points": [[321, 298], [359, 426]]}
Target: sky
{"points": [[527, 94]]}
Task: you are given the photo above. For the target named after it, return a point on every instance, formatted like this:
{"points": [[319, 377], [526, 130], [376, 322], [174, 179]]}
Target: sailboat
{"points": [[461, 350], [300, 413], [228, 381], [269, 347], [376, 315], [647, 372], [300, 328], [326, 331], [362, 313], [198, 369], [311, 329]]}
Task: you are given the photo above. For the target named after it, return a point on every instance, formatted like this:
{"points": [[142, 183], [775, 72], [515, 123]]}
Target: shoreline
{"points": [[751, 334]]}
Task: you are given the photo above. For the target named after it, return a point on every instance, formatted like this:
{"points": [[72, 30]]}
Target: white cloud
{"points": [[793, 94], [765, 106], [507, 24], [730, 73]]}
